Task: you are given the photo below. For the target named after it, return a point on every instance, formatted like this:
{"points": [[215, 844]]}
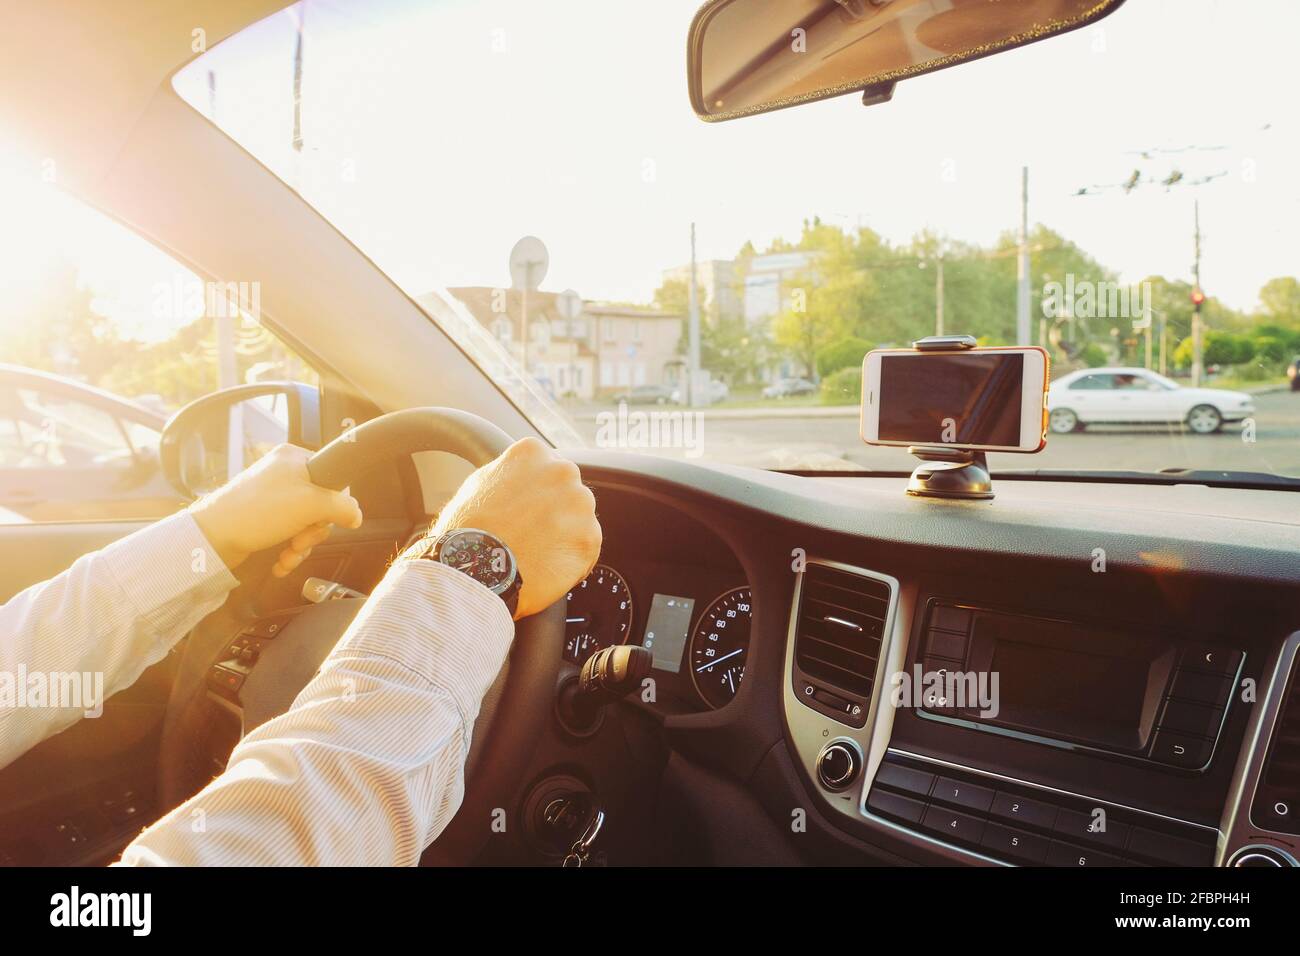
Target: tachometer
{"points": [[719, 646], [599, 614]]}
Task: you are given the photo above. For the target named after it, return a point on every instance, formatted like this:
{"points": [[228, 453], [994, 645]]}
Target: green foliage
{"points": [[1094, 356], [842, 353], [843, 387]]}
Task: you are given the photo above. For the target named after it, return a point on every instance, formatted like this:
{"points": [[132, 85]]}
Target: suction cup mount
{"points": [[948, 472]]}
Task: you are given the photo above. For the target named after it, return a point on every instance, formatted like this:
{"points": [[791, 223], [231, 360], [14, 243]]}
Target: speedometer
{"points": [[599, 614], [719, 646]]}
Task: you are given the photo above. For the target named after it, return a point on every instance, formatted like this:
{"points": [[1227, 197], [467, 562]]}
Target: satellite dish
{"points": [[528, 263], [569, 305]]}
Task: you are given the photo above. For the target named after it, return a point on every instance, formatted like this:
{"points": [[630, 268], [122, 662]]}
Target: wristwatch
{"points": [[483, 557]]}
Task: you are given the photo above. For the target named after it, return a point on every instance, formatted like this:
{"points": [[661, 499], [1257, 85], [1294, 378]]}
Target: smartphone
{"points": [[982, 399]]}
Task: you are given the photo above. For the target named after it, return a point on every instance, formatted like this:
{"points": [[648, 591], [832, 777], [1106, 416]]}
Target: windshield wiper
{"points": [[1166, 476]]}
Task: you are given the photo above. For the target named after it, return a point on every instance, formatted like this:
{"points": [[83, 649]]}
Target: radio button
{"points": [[1196, 719], [1208, 657], [905, 779], [1023, 810], [1079, 826], [1201, 688], [1063, 854], [962, 794], [894, 806], [943, 644], [1169, 849], [950, 618], [953, 825], [1015, 844], [1180, 750]]}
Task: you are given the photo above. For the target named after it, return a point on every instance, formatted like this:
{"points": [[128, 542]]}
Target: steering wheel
{"points": [[523, 691]]}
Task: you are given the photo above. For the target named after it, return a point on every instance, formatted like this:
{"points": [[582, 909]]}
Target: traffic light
{"points": [[1197, 297]]}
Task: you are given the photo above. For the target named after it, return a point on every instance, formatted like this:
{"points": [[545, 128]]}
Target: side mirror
{"points": [[215, 437], [751, 56]]}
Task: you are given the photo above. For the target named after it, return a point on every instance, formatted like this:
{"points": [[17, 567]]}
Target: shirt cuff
{"points": [[164, 561], [438, 623]]}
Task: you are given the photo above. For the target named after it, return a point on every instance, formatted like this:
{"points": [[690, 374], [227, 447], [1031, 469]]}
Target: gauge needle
{"points": [[580, 619], [739, 650]]}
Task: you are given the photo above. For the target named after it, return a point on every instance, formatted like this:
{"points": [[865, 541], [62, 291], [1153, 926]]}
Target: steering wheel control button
{"points": [[952, 825], [266, 628], [838, 766], [962, 794], [1180, 750], [1019, 845], [894, 806], [225, 680], [1024, 811]]}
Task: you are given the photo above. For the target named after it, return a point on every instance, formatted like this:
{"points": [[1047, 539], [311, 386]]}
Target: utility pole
{"points": [[693, 359], [1022, 263], [1162, 344], [1198, 297], [1146, 321], [938, 295]]}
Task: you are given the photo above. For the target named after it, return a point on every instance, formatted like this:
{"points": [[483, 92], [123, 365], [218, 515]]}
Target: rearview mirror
{"points": [[751, 56], [215, 437]]}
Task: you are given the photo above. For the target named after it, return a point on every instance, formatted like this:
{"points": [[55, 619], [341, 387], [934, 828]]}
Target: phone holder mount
{"points": [[948, 472]]}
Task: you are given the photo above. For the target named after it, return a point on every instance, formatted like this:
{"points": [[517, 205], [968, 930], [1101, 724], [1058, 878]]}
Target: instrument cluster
{"points": [[695, 622]]}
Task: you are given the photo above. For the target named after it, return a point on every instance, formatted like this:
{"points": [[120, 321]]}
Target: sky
{"points": [[436, 134]]}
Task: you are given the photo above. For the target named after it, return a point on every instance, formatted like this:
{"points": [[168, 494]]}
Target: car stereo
{"points": [[1141, 696]]}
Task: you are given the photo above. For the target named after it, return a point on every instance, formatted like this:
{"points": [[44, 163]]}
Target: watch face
{"points": [[481, 556]]}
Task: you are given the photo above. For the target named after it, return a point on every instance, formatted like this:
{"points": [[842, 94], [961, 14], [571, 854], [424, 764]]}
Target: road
{"points": [[788, 439]]}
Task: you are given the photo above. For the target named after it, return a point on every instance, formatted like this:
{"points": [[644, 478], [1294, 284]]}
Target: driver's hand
{"points": [[273, 502], [535, 502]]}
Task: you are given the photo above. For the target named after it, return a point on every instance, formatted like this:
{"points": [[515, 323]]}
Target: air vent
{"points": [[1277, 799], [839, 631]]}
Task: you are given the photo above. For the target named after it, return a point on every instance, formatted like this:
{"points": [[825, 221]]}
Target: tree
{"points": [[843, 353]]}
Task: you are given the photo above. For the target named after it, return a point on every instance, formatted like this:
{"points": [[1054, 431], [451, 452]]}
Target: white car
{"points": [[718, 392], [1130, 396]]}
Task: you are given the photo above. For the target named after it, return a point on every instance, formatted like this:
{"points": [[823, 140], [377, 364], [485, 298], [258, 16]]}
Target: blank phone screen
{"points": [[954, 398]]}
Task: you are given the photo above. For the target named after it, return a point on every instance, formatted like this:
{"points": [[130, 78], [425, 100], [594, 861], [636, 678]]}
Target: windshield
{"points": [[493, 156]]}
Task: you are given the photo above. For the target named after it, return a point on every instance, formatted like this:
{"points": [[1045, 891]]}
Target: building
{"points": [[606, 349], [634, 346], [717, 282], [770, 280]]}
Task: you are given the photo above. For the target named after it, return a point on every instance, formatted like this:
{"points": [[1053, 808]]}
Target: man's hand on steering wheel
{"points": [[534, 501], [272, 503]]}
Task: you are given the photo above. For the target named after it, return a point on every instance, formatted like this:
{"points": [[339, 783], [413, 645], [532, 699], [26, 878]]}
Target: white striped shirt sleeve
{"points": [[367, 767], [112, 614]]}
